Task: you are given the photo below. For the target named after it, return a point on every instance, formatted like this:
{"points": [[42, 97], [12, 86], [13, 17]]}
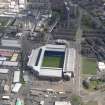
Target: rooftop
{"points": [[62, 103]]}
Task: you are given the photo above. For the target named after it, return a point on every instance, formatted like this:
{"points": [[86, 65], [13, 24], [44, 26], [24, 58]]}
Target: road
{"points": [[76, 81], [78, 56]]}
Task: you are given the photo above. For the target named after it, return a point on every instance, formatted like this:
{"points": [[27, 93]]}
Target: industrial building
{"points": [[53, 61]]}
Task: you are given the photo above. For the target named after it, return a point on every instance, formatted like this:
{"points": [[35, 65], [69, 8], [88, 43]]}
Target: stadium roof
{"points": [[70, 63], [50, 72], [33, 57], [53, 71], [55, 47]]}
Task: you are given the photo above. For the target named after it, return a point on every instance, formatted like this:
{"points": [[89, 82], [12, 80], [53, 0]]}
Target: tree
{"points": [[85, 84], [87, 21]]}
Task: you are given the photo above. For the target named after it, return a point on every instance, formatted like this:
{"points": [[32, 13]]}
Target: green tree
{"points": [[87, 21]]}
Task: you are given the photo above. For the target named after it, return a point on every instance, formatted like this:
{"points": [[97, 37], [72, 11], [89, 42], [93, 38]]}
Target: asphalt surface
{"points": [[78, 56]]}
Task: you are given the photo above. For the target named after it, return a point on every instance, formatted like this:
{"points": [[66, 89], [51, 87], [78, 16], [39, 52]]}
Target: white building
{"points": [[10, 42], [16, 87], [5, 97], [22, 4], [37, 56], [62, 103], [10, 63], [16, 78], [101, 66], [4, 71]]}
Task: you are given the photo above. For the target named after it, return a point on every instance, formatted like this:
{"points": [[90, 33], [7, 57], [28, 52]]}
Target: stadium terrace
{"points": [[53, 61]]}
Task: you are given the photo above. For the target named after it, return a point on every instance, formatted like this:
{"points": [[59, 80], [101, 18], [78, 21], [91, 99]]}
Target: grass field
{"points": [[52, 61], [88, 66]]}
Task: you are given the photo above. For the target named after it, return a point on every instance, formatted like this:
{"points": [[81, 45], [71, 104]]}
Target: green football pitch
{"points": [[53, 61]]}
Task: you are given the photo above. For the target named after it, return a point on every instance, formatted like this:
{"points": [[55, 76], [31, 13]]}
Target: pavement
{"points": [[78, 56]]}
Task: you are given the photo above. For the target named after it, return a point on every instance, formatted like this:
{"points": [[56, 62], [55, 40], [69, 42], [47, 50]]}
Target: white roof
{"points": [[42, 103], [16, 77], [55, 46], [19, 34], [44, 71], [55, 49], [3, 58], [6, 88], [21, 1], [16, 88], [4, 71], [101, 65], [5, 97], [1, 62], [33, 57], [9, 63], [70, 57], [62, 103], [10, 43], [50, 72]]}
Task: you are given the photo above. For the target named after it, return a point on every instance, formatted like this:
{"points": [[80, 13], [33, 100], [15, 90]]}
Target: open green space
{"points": [[52, 61], [88, 66]]}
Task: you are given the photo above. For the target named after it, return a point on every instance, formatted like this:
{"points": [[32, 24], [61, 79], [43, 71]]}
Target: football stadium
{"points": [[52, 61]]}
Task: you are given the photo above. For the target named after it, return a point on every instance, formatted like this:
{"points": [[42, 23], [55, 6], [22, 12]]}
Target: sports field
{"points": [[52, 61], [89, 66]]}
